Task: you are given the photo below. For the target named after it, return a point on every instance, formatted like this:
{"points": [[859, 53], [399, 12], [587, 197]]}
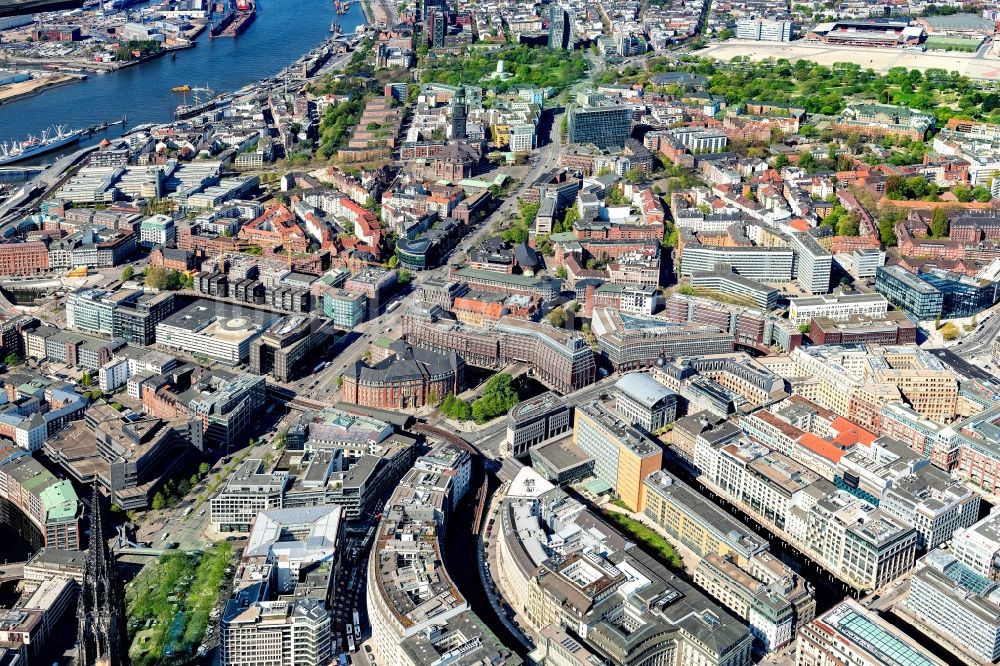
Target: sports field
{"points": [[952, 44]]}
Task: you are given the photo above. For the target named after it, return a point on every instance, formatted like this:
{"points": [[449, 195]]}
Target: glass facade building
{"points": [[935, 293], [598, 120]]}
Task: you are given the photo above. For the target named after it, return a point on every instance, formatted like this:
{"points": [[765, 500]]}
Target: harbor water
{"points": [[283, 31]]}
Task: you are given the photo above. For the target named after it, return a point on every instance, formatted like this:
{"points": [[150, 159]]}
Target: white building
{"points": [[978, 546], [641, 400], [113, 375], [219, 331], [157, 230], [277, 614], [957, 602], [764, 30], [248, 491], [277, 633], [813, 263], [836, 306]]}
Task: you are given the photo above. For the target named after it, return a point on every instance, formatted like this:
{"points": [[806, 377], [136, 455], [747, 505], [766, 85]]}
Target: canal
{"points": [[283, 31], [461, 543], [19, 540], [829, 591]]}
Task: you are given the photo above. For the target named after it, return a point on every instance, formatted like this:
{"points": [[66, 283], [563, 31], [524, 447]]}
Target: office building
{"points": [[157, 230], [560, 359], [764, 29], [933, 503], [559, 27], [589, 585], [418, 616], [727, 282], [978, 546], [544, 287], [644, 402], [47, 511], [288, 347], [934, 293], [327, 474], [836, 306], [346, 309], [218, 331], [249, 491], [693, 518], [437, 24], [630, 341], [765, 592], [848, 633], [377, 284], [812, 263], [867, 546], [277, 614], [908, 292], [894, 328], [623, 456], [952, 600], [279, 632], [130, 457], [561, 462], [24, 258], [769, 265], [537, 420], [598, 120], [131, 315]]}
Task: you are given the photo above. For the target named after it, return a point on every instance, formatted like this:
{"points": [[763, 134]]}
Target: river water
{"points": [[283, 31]]}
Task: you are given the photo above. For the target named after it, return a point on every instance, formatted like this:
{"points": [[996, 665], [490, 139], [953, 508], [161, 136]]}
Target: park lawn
{"points": [[647, 536], [174, 597]]}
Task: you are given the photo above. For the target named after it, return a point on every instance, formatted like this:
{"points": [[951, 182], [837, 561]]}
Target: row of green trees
{"points": [[827, 89], [498, 396]]}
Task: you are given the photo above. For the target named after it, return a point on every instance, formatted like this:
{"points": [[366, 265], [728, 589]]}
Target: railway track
{"points": [[476, 455]]}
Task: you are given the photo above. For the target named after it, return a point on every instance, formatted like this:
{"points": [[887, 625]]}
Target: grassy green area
{"points": [[731, 299], [524, 65], [647, 537], [823, 89], [168, 604], [952, 44]]}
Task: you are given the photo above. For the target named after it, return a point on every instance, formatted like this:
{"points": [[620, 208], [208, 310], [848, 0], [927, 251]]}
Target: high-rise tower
{"points": [[559, 28], [102, 637], [459, 114]]}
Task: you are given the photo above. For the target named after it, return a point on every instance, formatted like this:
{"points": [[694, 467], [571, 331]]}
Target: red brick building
{"points": [[892, 329], [409, 377], [23, 258]]}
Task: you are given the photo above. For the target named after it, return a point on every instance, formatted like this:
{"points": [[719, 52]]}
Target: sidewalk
{"points": [[688, 556]]}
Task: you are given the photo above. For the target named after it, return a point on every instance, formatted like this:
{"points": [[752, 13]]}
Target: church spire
{"points": [[101, 636]]}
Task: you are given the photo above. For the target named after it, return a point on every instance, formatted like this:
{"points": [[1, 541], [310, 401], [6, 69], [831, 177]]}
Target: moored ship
{"points": [[50, 140]]}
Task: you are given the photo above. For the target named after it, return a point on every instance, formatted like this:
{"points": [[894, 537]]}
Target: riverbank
{"points": [[33, 87], [47, 82], [280, 35]]}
